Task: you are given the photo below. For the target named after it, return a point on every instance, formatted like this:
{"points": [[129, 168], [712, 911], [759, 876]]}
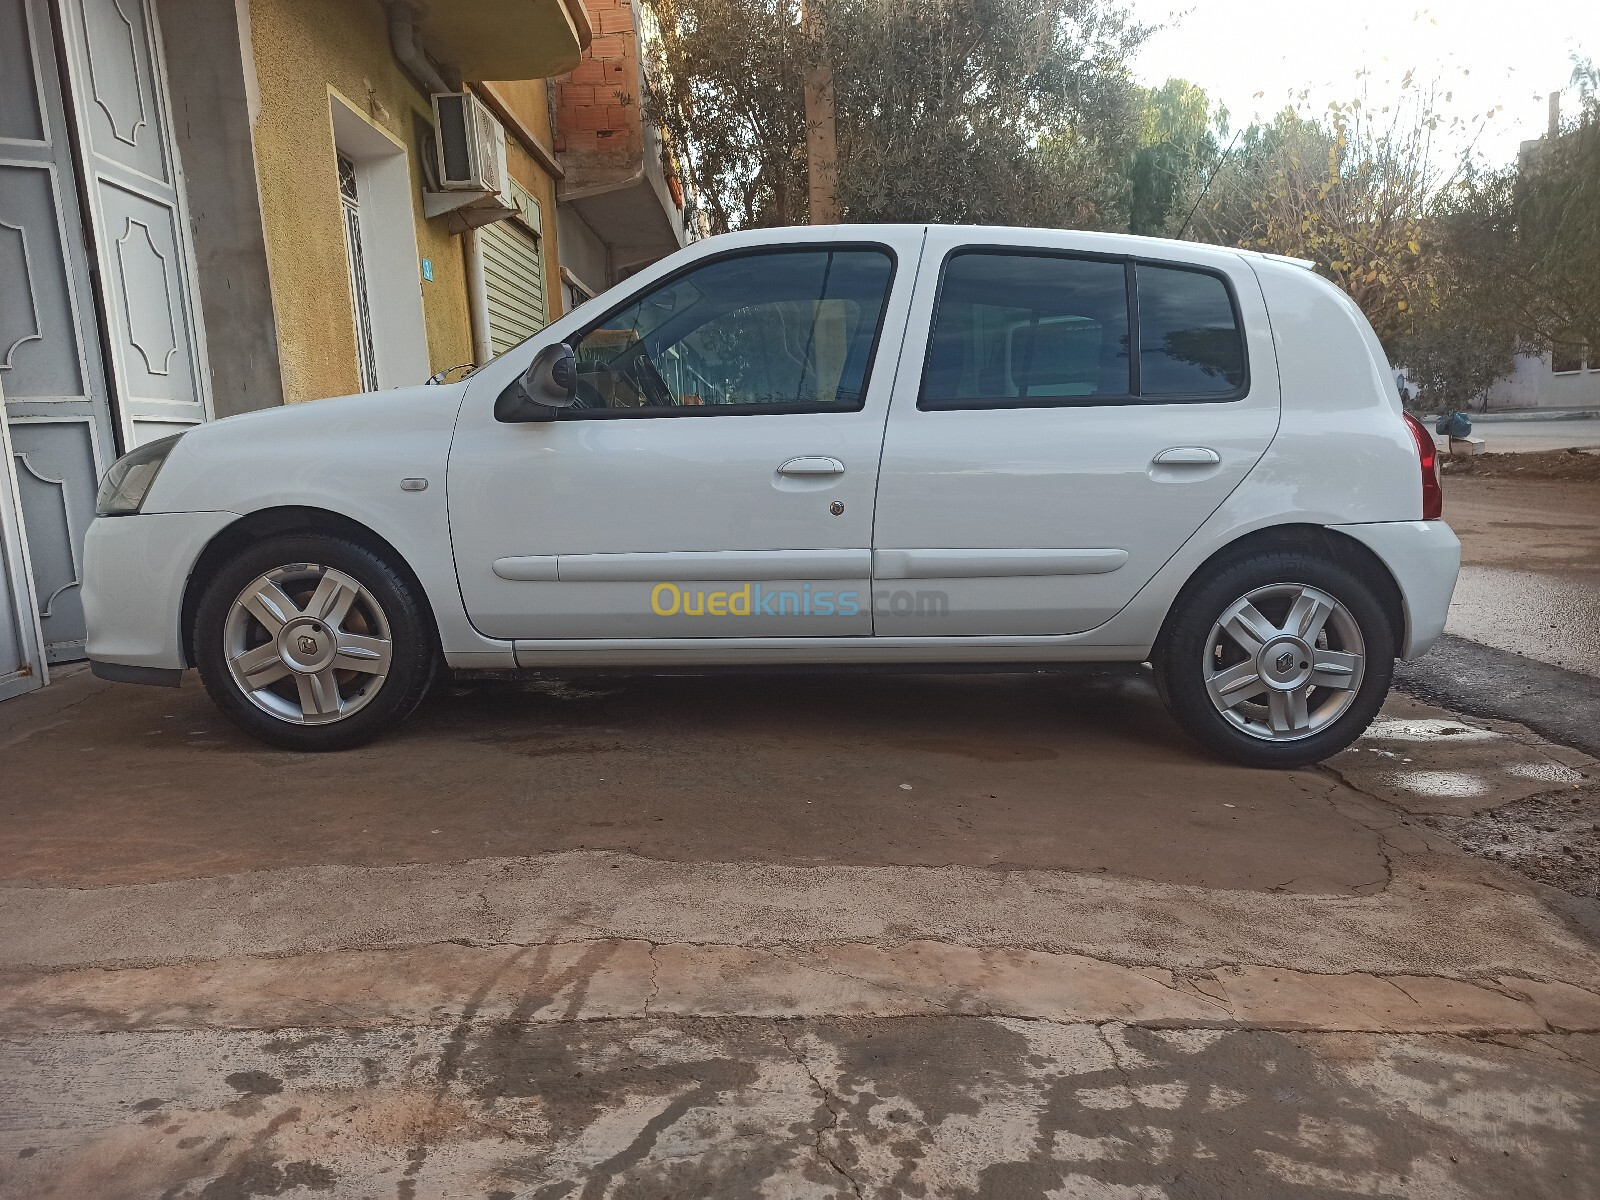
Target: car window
{"points": [[1017, 328], [1189, 342], [774, 331]]}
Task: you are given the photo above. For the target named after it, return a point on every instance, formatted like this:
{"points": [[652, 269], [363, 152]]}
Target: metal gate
{"points": [[513, 274], [86, 287]]}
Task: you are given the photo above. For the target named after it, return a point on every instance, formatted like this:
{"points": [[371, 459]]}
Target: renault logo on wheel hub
{"points": [[1285, 660], [308, 645]]}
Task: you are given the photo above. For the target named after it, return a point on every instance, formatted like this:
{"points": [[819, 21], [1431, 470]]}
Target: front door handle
{"points": [[1187, 456], [812, 466]]}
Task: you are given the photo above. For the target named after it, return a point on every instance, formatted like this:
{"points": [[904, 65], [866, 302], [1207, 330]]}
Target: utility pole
{"points": [[822, 146]]}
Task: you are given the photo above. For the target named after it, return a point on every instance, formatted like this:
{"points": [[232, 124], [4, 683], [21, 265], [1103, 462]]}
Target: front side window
{"points": [[782, 331], [1014, 329]]}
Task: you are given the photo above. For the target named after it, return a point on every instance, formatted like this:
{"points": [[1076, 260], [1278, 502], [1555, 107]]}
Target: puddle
{"points": [[1427, 729], [1441, 783]]}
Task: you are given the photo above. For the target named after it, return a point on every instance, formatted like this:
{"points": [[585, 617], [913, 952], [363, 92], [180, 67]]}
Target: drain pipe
{"points": [[406, 46]]}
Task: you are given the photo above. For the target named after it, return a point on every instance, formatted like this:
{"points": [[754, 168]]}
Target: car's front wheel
{"points": [[313, 642], [1280, 659]]}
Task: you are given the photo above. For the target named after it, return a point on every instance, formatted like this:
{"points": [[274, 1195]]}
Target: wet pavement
{"points": [[1530, 577], [816, 936]]}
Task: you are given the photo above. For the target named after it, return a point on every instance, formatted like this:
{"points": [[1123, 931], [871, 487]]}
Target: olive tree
{"points": [[1004, 111]]}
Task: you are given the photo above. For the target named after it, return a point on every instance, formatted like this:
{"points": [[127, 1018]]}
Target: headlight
{"points": [[125, 486]]}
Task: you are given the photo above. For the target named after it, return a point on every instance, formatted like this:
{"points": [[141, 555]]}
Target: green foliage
{"points": [[1014, 112], [1524, 241], [1177, 146]]}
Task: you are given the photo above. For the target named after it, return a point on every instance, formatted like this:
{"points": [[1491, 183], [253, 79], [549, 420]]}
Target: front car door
{"points": [[717, 477], [1067, 416]]}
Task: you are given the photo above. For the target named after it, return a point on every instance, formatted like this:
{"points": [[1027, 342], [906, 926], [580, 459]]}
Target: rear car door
{"points": [[718, 476], [1068, 414]]}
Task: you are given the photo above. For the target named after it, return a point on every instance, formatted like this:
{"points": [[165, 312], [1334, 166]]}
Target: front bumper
{"points": [[135, 570], [1424, 557]]}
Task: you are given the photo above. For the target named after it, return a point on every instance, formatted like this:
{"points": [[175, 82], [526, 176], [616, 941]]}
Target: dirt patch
{"points": [[1553, 838], [1573, 464]]}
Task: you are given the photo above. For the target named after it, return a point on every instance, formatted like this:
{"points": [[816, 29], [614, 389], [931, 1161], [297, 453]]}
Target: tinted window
{"points": [[1013, 328], [789, 328], [1189, 343]]}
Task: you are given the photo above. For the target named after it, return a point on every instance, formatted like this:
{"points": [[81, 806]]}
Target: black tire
{"points": [[412, 661], [1182, 654]]}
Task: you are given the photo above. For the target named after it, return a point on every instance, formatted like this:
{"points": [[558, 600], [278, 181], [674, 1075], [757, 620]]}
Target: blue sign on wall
{"points": [[427, 269]]}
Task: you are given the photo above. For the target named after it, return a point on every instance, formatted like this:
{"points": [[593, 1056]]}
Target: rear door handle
{"points": [[1187, 456], [812, 466]]}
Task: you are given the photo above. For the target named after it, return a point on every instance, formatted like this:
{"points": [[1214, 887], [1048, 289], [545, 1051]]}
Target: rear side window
{"points": [[1032, 330], [1014, 327], [1189, 343]]}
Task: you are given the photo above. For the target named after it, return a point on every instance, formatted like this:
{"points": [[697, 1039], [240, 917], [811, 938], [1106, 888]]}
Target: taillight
{"points": [[1428, 456]]}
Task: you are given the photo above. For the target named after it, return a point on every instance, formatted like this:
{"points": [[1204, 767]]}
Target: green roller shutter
{"points": [[513, 274]]}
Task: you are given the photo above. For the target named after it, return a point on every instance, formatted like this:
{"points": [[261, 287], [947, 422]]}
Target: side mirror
{"points": [[550, 383]]}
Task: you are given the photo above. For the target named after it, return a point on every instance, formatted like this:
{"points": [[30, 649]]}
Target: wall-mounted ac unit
{"points": [[475, 185], [472, 144]]}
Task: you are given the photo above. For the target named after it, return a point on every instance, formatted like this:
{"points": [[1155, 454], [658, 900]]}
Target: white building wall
{"points": [[1532, 384]]}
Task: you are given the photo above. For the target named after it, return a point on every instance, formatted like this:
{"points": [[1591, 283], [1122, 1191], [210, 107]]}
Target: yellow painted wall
{"points": [[302, 48]]}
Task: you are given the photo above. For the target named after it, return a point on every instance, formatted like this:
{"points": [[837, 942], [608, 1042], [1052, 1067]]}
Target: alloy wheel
{"points": [[1284, 661], [307, 644]]}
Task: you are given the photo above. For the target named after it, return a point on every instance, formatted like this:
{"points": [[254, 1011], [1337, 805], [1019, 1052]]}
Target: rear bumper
{"points": [[135, 570], [1424, 557]]}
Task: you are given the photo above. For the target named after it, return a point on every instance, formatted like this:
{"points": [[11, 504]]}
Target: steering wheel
{"points": [[651, 383]]}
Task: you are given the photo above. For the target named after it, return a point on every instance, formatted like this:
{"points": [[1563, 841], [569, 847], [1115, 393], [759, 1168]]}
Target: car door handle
{"points": [[812, 466], [1187, 456]]}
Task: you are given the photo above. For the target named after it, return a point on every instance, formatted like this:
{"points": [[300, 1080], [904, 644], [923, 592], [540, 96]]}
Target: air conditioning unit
{"points": [[472, 144], [474, 183]]}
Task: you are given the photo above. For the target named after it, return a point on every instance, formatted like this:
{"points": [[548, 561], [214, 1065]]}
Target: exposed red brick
{"points": [[619, 20], [590, 116], [589, 72], [616, 116], [611, 46]]}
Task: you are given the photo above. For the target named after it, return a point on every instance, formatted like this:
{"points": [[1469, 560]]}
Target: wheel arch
{"points": [[275, 522], [1338, 547]]}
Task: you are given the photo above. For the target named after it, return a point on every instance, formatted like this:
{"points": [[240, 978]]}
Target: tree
{"points": [[1354, 190], [984, 111], [1178, 148], [1525, 240]]}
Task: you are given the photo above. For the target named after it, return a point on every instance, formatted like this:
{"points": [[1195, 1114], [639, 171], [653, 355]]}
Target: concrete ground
{"points": [[811, 936], [1530, 550]]}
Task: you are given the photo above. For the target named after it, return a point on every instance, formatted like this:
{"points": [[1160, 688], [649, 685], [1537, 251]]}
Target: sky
{"points": [[1509, 54]]}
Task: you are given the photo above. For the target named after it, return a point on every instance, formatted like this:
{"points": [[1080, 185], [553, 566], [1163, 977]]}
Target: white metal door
{"points": [[140, 230], [57, 405], [22, 661]]}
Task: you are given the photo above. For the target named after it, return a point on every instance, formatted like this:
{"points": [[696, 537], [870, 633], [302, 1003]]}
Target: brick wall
{"points": [[597, 106]]}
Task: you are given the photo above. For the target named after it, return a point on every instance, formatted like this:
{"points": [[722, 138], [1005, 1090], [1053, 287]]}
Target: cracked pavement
{"points": [[806, 936]]}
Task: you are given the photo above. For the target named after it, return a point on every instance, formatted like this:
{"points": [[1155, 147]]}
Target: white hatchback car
{"points": [[916, 446]]}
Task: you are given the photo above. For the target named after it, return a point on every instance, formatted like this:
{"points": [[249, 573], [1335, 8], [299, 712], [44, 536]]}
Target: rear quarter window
{"points": [[1190, 344]]}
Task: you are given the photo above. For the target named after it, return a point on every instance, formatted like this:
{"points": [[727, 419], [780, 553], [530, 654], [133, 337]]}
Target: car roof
{"points": [[1121, 243]]}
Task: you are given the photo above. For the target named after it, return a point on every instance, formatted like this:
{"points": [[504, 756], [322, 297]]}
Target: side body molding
{"points": [[996, 563]]}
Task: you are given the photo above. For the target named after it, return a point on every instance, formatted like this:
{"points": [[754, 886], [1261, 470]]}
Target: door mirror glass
{"points": [[548, 385]]}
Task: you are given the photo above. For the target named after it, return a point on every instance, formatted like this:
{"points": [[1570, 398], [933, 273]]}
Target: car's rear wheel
{"points": [[1280, 659], [313, 642]]}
